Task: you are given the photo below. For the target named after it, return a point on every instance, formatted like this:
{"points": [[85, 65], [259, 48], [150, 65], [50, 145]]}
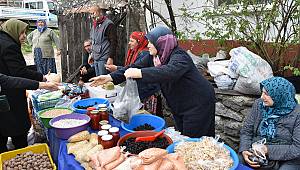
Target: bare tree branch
{"points": [[158, 14]]}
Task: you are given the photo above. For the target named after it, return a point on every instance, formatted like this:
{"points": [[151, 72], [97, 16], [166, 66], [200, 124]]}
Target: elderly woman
{"points": [[276, 117], [15, 123], [137, 51], [41, 40], [190, 96]]}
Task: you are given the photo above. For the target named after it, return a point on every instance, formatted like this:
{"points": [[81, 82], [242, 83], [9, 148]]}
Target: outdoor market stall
{"points": [[59, 148]]}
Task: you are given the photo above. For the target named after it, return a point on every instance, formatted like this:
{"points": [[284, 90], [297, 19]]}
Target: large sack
{"points": [[251, 68]]}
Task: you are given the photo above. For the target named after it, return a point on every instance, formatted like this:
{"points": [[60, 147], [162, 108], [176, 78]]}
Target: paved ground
{"points": [[30, 61]]}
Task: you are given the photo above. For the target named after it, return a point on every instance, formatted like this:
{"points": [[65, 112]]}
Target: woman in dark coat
{"points": [[190, 96], [15, 123]]}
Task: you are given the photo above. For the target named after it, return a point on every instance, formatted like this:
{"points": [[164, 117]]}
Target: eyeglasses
{"points": [[87, 46]]}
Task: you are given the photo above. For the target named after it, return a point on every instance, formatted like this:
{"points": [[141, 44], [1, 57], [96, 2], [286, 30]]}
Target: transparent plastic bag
{"points": [[128, 102], [66, 102]]}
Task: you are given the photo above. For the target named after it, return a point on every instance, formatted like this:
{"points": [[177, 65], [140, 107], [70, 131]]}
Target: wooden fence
{"points": [[74, 29]]}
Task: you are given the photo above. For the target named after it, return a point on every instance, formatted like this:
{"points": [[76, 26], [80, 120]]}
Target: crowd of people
{"points": [[160, 68]]}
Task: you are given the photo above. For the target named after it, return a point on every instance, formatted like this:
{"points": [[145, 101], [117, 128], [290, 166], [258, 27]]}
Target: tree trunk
{"points": [[171, 14]]}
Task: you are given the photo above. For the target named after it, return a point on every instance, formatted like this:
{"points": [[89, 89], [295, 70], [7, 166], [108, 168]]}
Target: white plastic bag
{"points": [[251, 68], [128, 102], [224, 82], [217, 68]]}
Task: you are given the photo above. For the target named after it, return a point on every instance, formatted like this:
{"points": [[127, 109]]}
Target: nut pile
{"points": [[30, 161]]}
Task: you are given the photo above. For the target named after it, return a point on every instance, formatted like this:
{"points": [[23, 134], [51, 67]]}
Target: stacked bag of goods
{"points": [[251, 69], [83, 145]]}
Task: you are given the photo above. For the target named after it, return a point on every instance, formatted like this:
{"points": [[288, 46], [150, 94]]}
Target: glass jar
{"points": [[106, 127], [89, 109], [107, 141], [100, 134], [104, 114], [115, 132], [102, 122], [95, 119]]}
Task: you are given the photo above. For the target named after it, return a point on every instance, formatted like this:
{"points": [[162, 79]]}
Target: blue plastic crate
{"points": [[41, 105]]}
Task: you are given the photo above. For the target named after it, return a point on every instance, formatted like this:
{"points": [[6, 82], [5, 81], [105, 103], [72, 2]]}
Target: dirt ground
{"points": [[30, 60]]}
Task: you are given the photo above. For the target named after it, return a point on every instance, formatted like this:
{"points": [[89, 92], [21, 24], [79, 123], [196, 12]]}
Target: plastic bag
{"points": [[251, 68], [66, 102], [128, 102]]}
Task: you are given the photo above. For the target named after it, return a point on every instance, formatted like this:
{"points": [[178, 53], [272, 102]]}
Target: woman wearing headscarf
{"points": [[190, 96], [275, 117], [148, 92], [41, 40], [14, 123]]}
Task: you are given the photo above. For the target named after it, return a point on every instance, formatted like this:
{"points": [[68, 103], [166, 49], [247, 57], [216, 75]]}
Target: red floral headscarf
{"points": [[142, 46]]}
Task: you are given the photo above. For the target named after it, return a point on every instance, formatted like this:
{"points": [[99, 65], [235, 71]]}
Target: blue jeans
{"points": [[99, 67]]}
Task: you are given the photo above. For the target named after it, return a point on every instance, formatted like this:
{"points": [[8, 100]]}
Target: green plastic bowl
{"points": [[46, 119]]}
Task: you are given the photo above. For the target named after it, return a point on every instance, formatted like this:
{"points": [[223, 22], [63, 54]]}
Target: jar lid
{"points": [[102, 109], [94, 112], [103, 122], [106, 127], [102, 105], [102, 132], [107, 137], [114, 129], [91, 108]]}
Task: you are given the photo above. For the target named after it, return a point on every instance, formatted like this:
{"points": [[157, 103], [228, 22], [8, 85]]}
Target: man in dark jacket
{"points": [[14, 123], [190, 96], [104, 39], [87, 71]]}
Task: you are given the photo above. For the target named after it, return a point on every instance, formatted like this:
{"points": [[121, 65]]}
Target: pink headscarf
{"points": [[165, 45]]}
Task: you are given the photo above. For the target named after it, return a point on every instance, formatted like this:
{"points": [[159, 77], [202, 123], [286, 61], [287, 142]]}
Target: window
{"points": [[31, 5], [51, 6], [39, 5]]}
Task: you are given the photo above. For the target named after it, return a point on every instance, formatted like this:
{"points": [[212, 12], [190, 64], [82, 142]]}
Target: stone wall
{"points": [[231, 110]]}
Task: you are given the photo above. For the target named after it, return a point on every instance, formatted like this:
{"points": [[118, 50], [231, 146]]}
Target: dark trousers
{"points": [[18, 141], [195, 124]]}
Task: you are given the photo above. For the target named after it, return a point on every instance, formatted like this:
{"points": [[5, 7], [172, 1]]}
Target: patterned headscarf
{"points": [[142, 46], [41, 28], [282, 93]]}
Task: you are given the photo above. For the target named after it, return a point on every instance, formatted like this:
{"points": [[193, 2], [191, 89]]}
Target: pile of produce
{"points": [[108, 86], [52, 113], [83, 145], [137, 147], [145, 126], [29, 160], [85, 107], [206, 154]]}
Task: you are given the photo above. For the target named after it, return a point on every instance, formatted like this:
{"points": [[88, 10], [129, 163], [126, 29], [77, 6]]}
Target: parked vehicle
{"points": [[29, 11]]}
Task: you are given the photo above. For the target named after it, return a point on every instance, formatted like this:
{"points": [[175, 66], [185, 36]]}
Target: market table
{"points": [[64, 161]]}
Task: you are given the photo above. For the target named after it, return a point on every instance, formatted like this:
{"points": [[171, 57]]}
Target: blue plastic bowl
{"points": [[140, 119], [233, 154], [87, 102]]}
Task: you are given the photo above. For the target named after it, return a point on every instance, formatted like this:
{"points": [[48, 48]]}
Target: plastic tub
{"points": [[45, 120], [88, 102], [233, 154], [38, 148], [157, 122], [65, 133]]}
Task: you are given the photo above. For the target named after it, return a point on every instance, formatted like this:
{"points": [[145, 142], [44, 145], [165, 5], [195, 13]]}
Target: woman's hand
{"points": [[111, 68], [48, 85], [83, 70], [133, 73], [97, 81], [110, 61], [90, 60], [246, 155]]}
